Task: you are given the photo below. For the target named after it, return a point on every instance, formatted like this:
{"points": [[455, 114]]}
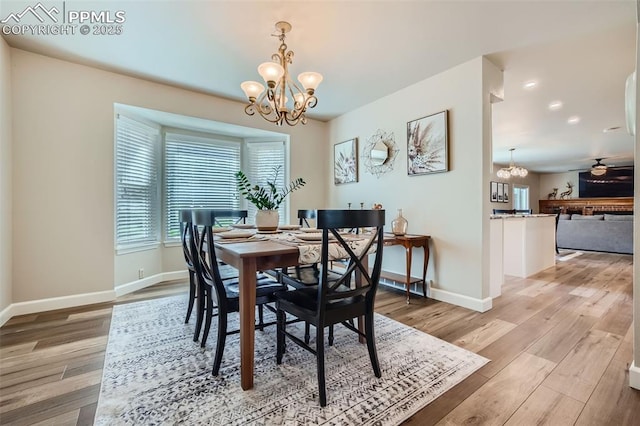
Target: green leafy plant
{"points": [[268, 197]]}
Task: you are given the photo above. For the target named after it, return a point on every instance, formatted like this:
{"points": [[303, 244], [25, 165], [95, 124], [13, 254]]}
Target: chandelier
{"points": [[283, 101], [512, 170]]}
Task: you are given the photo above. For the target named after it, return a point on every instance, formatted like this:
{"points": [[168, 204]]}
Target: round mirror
{"points": [[379, 154]]}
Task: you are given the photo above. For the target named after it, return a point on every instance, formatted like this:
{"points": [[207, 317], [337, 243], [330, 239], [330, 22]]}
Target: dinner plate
{"points": [[310, 230], [243, 226], [221, 229], [289, 227], [236, 234], [310, 237]]}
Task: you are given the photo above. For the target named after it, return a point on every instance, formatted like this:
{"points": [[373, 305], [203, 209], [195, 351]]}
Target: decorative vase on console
{"points": [[399, 224]]}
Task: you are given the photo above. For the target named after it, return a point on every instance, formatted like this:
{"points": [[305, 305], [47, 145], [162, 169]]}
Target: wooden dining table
{"points": [[249, 257]]}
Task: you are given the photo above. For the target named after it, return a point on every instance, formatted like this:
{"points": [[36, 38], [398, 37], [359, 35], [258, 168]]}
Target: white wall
{"points": [[63, 171], [452, 207], [6, 143]]}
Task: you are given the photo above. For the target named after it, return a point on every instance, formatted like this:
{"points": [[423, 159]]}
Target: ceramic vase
{"points": [[267, 220]]}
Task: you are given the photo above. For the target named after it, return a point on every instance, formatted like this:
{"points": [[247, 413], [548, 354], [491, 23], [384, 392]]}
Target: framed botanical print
{"points": [[345, 162], [427, 145], [500, 192], [505, 193]]}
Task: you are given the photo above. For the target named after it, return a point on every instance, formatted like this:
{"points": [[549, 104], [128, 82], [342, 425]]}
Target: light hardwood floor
{"points": [[560, 344]]}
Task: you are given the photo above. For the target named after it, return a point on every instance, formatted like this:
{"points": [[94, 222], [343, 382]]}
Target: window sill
{"points": [[172, 244], [136, 248]]}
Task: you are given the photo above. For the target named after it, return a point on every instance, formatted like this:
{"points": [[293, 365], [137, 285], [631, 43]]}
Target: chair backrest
{"points": [[502, 211], [205, 262], [304, 216], [186, 235], [238, 215], [331, 222]]}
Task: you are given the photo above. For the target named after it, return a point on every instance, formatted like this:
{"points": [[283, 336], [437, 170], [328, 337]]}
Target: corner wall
{"points": [[6, 193], [634, 369], [452, 207]]}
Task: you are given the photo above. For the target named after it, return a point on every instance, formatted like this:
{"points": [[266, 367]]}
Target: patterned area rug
{"points": [[155, 374]]}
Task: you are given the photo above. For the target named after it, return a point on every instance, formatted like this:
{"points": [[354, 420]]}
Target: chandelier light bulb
{"points": [[271, 73], [252, 89], [310, 80]]}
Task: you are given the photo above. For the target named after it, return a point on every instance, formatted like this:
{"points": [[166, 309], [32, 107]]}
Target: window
{"points": [[520, 197], [137, 155], [263, 157], [199, 172], [158, 176]]}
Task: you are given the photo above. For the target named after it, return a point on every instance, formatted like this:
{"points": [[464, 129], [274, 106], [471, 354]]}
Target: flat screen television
{"points": [[617, 182]]}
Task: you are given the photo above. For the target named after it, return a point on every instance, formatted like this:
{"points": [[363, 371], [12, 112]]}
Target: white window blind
{"points": [[263, 157], [137, 205], [199, 172]]}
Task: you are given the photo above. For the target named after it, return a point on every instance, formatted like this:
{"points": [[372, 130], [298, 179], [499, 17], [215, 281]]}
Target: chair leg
{"points": [[261, 317], [192, 295], [207, 324], [331, 335], [200, 313], [307, 334], [281, 324], [322, 392], [371, 344], [222, 338]]}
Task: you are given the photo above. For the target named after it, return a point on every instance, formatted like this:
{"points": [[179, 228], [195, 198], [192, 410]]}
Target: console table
{"points": [[409, 241]]}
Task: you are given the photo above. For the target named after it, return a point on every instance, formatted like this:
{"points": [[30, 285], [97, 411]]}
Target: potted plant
{"points": [[267, 198]]}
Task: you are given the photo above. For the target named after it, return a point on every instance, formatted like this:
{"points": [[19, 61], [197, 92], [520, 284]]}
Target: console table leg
{"points": [[408, 266], [424, 268]]}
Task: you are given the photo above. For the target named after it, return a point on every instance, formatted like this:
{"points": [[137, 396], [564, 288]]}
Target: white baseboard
{"points": [[132, 286], [42, 305], [35, 306], [634, 376], [479, 305]]}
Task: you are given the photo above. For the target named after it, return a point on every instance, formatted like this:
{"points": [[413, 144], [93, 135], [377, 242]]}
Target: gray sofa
{"points": [[603, 232]]}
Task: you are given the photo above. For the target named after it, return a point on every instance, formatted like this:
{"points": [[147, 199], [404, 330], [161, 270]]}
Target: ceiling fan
{"points": [[598, 169]]}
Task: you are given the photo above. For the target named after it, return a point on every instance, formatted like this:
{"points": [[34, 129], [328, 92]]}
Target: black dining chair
{"points": [[186, 235], [306, 275], [217, 292], [336, 301], [237, 216]]}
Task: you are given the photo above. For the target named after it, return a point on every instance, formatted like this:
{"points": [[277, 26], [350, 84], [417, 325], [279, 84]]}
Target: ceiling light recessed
{"points": [[611, 129], [530, 84], [573, 120], [555, 105]]}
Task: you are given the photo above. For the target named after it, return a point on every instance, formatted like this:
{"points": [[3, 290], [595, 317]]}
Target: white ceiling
{"points": [[580, 52]]}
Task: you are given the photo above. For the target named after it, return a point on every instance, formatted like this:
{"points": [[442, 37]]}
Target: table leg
{"points": [[424, 268], [408, 269], [247, 280]]}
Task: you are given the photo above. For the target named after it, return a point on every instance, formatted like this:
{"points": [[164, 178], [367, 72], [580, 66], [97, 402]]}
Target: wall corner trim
{"points": [[132, 286], [479, 305], [634, 376]]}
